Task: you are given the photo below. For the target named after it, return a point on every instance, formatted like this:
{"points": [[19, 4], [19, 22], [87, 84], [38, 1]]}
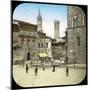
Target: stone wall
{"points": [[76, 53]]}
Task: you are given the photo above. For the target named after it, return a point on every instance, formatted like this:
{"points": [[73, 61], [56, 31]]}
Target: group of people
{"points": [[67, 70], [53, 70], [36, 70]]}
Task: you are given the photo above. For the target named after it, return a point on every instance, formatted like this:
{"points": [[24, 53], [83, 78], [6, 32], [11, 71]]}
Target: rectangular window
{"points": [[41, 45], [78, 41]]}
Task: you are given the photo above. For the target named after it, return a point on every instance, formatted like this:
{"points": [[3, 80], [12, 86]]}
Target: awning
{"points": [[43, 55]]}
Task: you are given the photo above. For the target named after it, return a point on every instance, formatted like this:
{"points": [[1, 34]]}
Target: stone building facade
{"points": [[28, 43], [58, 50], [44, 46], [76, 35], [26, 40]]}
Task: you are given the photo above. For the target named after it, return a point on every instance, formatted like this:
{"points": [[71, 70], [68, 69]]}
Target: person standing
{"points": [[43, 68], [53, 68], [27, 68], [36, 71], [67, 71]]}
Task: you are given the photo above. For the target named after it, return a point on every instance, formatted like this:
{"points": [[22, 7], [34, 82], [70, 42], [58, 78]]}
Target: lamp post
{"points": [[73, 56]]}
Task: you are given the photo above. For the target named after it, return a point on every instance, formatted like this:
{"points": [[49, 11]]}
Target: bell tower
{"points": [[39, 22]]}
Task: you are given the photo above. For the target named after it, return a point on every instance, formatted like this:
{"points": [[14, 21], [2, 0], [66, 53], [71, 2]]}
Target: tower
{"points": [[39, 22], [56, 29]]}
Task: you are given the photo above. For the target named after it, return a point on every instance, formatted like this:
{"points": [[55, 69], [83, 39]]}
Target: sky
{"points": [[28, 12]]}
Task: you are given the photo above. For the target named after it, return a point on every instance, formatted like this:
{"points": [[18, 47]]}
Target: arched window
{"points": [[28, 40], [41, 45], [75, 21], [22, 41], [46, 45]]}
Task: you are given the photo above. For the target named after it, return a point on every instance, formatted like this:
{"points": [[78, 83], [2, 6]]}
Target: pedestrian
{"points": [[36, 71], [27, 68], [53, 68], [43, 68], [67, 71]]}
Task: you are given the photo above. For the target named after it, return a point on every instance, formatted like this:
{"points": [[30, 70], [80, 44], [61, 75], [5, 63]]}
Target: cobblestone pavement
{"points": [[47, 77]]}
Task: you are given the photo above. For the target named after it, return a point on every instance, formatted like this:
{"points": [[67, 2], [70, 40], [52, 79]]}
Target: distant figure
{"points": [[43, 68], [27, 68], [53, 68], [36, 71], [66, 59], [67, 71]]}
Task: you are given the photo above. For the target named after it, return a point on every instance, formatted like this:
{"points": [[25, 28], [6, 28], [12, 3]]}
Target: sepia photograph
{"points": [[49, 44]]}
